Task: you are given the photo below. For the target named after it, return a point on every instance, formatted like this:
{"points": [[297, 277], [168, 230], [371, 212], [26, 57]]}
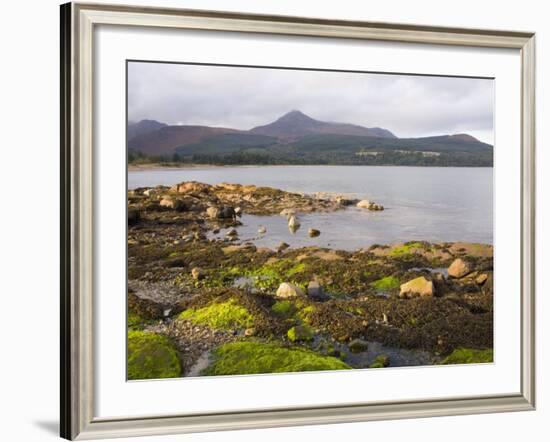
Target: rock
{"points": [[232, 233], [212, 212], [197, 273], [315, 291], [133, 216], [417, 287], [480, 280], [358, 346], [381, 361], [199, 236], [345, 201], [283, 246], [227, 213], [288, 213], [262, 230], [191, 187], [293, 222], [250, 332], [173, 203], [145, 308], [459, 268], [220, 212], [364, 204], [238, 211], [313, 233], [287, 290], [300, 333], [149, 192]]}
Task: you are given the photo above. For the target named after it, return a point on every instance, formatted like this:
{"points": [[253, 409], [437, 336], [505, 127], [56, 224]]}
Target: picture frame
{"points": [[79, 202]]}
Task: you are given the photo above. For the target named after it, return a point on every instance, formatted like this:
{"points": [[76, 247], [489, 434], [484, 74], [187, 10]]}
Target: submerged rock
{"points": [[417, 287], [459, 268], [287, 290], [313, 233]]}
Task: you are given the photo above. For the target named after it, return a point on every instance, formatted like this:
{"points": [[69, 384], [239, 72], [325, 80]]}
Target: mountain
{"points": [[296, 124], [296, 138], [166, 139], [142, 127]]}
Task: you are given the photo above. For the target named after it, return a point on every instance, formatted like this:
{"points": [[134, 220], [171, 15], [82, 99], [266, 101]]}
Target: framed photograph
{"points": [[273, 221]]}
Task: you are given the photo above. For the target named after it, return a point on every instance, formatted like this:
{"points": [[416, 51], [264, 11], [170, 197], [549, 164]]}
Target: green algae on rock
{"points": [[469, 356], [386, 283], [151, 356], [228, 315], [255, 358], [300, 333]]}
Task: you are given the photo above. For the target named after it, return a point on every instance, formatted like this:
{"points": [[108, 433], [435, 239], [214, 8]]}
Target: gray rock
{"points": [[282, 246], [358, 346]]}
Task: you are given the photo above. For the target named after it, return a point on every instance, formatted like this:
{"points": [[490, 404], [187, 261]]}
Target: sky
{"points": [[242, 98]]}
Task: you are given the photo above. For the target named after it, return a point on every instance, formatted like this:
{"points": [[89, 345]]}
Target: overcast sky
{"points": [[242, 98]]}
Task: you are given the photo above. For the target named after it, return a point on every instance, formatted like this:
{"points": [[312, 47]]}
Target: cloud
{"points": [[237, 97]]}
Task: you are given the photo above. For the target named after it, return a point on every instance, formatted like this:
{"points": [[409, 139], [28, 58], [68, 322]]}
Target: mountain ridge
{"points": [[296, 138]]}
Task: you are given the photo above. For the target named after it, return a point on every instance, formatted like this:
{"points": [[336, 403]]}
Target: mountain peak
{"points": [[295, 115], [465, 137]]}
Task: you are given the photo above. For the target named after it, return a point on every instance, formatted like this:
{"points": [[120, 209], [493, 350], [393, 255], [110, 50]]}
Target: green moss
{"points": [[469, 356], [135, 321], [405, 249], [283, 308], [305, 313], [386, 283], [270, 276], [228, 315], [151, 356], [300, 333], [254, 358]]}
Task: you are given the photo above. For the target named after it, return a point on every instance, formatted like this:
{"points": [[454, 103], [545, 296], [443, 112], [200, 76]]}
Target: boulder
{"points": [[220, 212], [238, 211], [417, 287], [358, 346], [313, 233], [287, 290], [459, 268]]}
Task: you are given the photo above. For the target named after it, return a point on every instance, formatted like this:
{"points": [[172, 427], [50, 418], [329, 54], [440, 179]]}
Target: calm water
{"points": [[422, 203]]}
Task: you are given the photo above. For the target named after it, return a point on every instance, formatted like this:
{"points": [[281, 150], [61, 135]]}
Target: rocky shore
{"points": [[204, 305]]}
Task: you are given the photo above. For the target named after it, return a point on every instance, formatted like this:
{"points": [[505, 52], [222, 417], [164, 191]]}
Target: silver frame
{"points": [[77, 389]]}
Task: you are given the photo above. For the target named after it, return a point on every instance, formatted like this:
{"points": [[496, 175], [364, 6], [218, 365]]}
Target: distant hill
{"points": [[143, 127], [296, 138], [296, 124]]}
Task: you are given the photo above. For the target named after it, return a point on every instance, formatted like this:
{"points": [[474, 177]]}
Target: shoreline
{"points": [[158, 166]]}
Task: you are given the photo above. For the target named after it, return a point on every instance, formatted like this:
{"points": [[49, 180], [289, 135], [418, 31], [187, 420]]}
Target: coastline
{"points": [[223, 306], [177, 166]]}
